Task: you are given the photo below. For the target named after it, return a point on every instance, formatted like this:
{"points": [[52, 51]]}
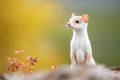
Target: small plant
{"points": [[15, 64]]}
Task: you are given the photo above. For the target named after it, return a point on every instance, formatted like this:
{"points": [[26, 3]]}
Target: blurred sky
{"points": [[39, 28]]}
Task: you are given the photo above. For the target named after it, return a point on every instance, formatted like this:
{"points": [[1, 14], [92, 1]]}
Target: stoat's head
{"points": [[78, 22]]}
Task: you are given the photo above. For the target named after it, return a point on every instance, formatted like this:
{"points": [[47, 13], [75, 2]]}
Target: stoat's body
{"points": [[80, 47]]}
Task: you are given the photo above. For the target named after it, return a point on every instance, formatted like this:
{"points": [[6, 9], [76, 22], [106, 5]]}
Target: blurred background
{"points": [[39, 28]]}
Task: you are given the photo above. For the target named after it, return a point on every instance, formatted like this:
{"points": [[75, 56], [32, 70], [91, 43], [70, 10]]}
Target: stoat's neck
{"points": [[80, 33]]}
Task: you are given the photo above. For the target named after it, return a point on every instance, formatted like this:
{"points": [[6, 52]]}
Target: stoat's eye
{"points": [[77, 21]]}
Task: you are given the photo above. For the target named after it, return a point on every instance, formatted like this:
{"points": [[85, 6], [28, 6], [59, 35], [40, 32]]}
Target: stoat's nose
{"points": [[69, 25]]}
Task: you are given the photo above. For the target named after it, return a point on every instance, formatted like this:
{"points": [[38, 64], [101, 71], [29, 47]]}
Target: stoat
{"points": [[80, 47]]}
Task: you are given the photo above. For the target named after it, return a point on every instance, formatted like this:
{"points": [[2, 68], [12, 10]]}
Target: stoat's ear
{"points": [[73, 14], [85, 18]]}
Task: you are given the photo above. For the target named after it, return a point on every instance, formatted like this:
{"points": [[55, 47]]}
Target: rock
{"points": [[81, 72]]}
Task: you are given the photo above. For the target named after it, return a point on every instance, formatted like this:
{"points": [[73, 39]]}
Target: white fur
{"points": [[80, 43]]}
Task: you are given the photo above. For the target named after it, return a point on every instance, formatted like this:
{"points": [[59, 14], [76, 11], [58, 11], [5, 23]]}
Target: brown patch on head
{"points": [[85, 18]]}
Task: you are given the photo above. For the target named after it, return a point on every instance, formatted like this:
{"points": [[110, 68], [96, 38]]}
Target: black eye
{"points": [[77, 21]]}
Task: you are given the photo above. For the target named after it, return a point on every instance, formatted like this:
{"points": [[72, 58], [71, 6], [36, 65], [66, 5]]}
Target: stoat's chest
{"points": [[81, 46], [80, 43]]}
